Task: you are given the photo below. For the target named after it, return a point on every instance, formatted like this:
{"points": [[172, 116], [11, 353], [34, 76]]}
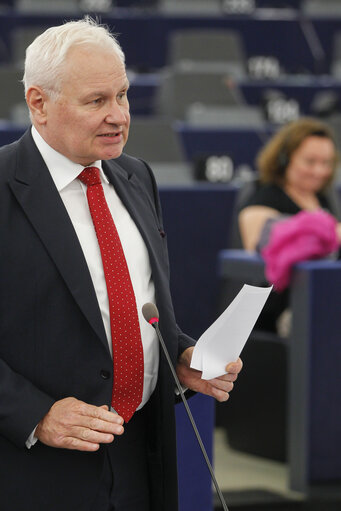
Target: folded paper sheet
{"points": [[224, 340]]}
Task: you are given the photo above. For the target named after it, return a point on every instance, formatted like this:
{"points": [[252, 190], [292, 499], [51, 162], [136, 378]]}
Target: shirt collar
{"points": [[62, 170]]}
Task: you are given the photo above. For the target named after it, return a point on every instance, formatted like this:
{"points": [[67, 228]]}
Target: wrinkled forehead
{"points": [[88, 63]]}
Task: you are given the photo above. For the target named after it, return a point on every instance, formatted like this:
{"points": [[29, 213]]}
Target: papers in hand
{"points": [[224, 340]]}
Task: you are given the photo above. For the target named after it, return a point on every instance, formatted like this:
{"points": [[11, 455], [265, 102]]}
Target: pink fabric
{"points": [[306, 235]]}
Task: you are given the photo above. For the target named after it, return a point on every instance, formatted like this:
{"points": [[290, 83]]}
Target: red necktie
{"points": [[125, 328]]}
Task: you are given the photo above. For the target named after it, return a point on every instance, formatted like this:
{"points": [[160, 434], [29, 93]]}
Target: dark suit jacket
{"points": [[52, 339]]}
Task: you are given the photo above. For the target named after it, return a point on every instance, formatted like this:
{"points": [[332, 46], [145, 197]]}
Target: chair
{"points": [[197, 223], [311, 415], [334, 121], [245, 191], [20, 114], [179, 89], [318, 8], [336, 55], [236, 116], [47, 6], [154, 139], [207, 49], [21, 38], [197, 220], [199, 7], [10, 79]]}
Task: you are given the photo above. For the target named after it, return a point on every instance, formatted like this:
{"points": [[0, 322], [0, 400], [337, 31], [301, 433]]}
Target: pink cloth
{"points": [[306, 235]]}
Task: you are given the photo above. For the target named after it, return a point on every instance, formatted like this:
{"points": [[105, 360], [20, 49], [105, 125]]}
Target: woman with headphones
{"points": [[295, 168]]}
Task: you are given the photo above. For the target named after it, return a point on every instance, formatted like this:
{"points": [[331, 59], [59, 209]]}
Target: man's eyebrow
{"points": [[96, 93], [93, 94]]}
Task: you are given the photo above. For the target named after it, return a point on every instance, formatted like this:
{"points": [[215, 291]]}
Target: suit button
{"points": [[105, 374]]}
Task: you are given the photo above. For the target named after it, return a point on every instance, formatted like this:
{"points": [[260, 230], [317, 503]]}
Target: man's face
{"points": [[90, 119]]}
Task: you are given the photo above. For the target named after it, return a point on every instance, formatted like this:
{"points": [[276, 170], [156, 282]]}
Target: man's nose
{"points": [[116, 114]]}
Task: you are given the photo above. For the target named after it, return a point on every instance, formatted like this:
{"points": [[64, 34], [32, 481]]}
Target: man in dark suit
{"points": [[66, 441]]}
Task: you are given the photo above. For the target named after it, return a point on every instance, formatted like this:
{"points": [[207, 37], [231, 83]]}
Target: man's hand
{"points": [[73, 424], [218, 388]]}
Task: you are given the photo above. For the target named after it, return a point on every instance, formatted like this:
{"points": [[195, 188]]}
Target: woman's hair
{"points": [[274, 158], [45, 57]]}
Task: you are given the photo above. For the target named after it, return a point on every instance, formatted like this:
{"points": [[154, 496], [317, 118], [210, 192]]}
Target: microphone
{"points": [[151, 315]]}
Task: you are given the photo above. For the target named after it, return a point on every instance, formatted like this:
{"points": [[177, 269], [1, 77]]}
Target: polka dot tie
{"points": [[125, 328]]}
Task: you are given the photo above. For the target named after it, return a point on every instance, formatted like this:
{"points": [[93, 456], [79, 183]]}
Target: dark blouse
{"points": [[273, 196]]}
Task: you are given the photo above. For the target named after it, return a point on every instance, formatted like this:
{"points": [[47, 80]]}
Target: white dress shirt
{"points": [[73, 193]]}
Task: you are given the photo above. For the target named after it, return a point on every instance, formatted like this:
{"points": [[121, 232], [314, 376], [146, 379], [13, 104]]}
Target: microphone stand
{"points": [[189, 413]]}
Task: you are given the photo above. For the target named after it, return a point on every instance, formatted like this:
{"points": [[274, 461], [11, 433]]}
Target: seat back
{"points": [[188, 47], [197, 221], [154, 139], [179, 89], [10, 79]]}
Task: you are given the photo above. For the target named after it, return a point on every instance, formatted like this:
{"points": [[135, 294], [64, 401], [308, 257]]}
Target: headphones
{"points": [[283, 159]]}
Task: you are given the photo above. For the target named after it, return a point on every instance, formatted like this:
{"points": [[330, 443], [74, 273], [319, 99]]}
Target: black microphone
{"points": [[151, 315]]}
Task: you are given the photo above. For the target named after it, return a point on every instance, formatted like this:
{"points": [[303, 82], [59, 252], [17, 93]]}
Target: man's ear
{"points": [[36, 100]]}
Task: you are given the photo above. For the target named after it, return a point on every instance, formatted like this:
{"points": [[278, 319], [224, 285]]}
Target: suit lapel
{"points": [[138, 205], [36, 193]]}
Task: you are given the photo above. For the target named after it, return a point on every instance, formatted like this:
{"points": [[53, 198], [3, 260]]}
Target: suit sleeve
{"points": [[22, 405]]}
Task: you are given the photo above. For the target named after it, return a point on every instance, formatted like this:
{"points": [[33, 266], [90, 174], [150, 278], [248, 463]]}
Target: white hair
{"points": [[46, 56]]}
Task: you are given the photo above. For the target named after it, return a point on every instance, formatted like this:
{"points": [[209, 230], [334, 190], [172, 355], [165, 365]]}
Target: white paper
{"points": [[224, 340]]}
